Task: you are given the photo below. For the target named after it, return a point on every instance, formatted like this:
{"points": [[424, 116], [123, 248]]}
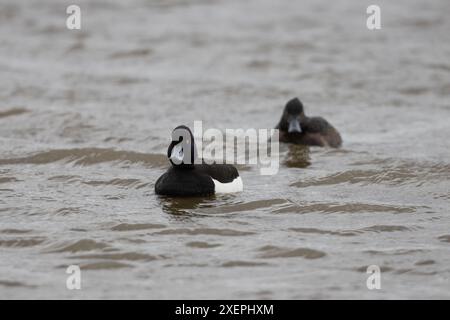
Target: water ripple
{"points": [[270, 252], [136, 226], [89, 156], [205, 231], [80, 245]]}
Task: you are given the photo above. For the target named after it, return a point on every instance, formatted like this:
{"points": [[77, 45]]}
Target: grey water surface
{"points": [[85, 121]]}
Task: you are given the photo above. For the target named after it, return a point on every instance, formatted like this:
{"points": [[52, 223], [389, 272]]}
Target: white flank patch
{"points": [[234, 186]]}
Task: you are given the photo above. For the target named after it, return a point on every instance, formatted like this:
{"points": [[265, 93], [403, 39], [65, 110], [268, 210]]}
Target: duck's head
{"points": [[293, 115], [182, 152]]}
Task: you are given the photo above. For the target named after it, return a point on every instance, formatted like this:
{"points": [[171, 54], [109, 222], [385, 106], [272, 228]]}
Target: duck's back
{"points": [[318, 131], [223, 173]]}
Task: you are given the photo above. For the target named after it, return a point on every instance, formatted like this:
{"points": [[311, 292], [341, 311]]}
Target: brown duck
{"points": [[296, 127]]}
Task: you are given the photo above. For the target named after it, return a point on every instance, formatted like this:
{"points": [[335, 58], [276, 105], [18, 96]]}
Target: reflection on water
{"points": [[298, 156], [185, 206], [85, 119]]}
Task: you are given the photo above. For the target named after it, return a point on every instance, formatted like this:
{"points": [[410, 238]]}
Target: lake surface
{"points": [[86, 117]]}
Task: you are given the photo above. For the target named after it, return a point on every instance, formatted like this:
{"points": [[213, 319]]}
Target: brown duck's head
{"points": [[293, 115]]}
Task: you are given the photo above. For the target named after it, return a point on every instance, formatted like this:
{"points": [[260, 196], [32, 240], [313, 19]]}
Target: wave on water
{"points": [[12, 112], [205, 231], [345, 208], [270, 252], [80, 245], [89, 156], [396, 175], [347, 233]]}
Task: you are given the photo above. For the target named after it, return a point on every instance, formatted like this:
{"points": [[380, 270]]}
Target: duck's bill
{"points": [[294, 126]]}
